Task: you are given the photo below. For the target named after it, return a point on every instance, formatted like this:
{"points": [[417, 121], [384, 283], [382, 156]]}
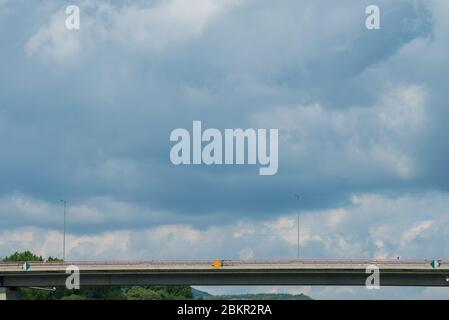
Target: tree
{"points": [[97, 293], [141, 293], [26, 256], [159, 293], [74, 297]]}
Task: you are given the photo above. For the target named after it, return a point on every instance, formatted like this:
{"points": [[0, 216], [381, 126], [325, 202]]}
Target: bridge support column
{"points": [[9, 294]]}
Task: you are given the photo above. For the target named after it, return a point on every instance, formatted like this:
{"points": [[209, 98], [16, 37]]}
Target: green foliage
{"points": [[173, 292], [34, 294], [97, 293], [141, 293], [101, 293], [23, 257], [74, 297], [159, 293], [87, 293], [53, 259], [110, 293]]}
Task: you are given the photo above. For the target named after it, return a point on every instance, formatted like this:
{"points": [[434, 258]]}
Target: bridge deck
{"points": [[229, 272], [226, 264]]}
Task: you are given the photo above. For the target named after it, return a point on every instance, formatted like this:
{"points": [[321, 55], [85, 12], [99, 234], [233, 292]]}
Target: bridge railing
{"points": [[226, 262]]}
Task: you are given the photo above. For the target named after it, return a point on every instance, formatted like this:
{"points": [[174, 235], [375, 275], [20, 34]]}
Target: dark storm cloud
{"points": [[88, 115]]}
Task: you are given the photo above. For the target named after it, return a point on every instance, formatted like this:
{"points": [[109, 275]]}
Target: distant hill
{"points": [[258, 296], [200, 294]]}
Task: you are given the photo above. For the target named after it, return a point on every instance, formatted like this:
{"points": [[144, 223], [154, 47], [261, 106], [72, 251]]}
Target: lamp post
{"points": [[299, 238], [63, 241]]}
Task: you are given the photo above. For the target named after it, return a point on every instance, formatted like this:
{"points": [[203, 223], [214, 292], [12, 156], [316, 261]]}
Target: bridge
{"points": [[226, 272]]}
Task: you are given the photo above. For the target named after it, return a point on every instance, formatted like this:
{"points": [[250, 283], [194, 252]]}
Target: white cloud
{"points": [[149, 28], [373, 226], [415, 231], [378, 138], [54, 42], [246, 254], [170, 22], [99, 212]]}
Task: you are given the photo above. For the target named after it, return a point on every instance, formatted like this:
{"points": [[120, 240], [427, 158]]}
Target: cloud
{"points": [[415, 231], [373, 226], [99, 129], [151, 26], [87, 216], [53, 42], [336, 138], [170, 22]]}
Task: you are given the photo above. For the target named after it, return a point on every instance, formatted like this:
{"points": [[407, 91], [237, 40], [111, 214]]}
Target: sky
{"points": [[86, 116]]}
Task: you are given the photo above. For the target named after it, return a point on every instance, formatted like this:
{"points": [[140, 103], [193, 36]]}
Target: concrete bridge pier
{"points": [[9, 293]]}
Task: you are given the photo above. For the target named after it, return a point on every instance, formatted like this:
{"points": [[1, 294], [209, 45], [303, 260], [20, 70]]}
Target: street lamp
{"points": [[298, 198], [63, 242]]}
